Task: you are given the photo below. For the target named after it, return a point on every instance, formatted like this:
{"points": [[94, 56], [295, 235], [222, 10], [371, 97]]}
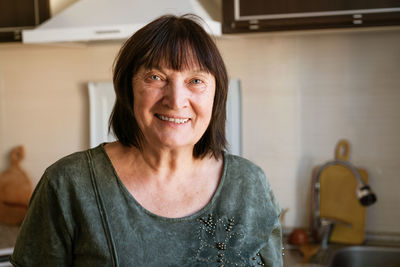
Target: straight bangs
{"points": [[178, 49]]}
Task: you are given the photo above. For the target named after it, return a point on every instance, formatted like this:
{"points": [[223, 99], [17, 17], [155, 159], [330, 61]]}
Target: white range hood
{"points": [[91, 20]]}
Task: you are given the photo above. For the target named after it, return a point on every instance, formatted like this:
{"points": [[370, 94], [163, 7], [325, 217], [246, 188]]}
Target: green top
{"points": [[82, 215]]}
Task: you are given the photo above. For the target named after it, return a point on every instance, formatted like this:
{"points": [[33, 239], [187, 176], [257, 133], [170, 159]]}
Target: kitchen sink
{"points": [[362, 256]]}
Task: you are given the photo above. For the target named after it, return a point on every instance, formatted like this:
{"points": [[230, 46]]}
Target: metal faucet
{"points": [[326, 227], [322, 227]]}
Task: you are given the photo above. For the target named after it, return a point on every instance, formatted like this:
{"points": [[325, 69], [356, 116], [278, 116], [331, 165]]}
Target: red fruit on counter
{"points": [[298, 237]]}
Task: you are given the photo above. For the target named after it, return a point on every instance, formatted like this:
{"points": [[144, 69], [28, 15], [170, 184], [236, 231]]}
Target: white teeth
{"points": [[179, 121]]}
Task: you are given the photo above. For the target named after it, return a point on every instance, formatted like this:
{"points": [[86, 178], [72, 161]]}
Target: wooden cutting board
{"points": [[15, 190], [338, 199]]}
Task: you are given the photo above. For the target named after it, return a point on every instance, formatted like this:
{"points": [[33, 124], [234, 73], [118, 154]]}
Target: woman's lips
{"points": [[172, 119]]}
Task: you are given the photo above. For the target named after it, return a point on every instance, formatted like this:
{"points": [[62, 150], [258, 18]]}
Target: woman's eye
{"points": [[197, 81], [155, 77]]}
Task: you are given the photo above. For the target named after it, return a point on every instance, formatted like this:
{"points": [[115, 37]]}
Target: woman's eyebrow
{"points": [[154, 68], [198, 70], [193, 71]]}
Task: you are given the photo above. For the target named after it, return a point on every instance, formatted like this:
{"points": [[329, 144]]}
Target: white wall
{"points": [[44, 99]]}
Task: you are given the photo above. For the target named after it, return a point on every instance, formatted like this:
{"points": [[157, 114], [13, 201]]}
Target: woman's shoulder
{"points": [[70, 168], [70, 163], [246, 178], [243, 167]]}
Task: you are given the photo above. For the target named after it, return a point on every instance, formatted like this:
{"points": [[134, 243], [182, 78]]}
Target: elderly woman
{"points": [[166, 193]]}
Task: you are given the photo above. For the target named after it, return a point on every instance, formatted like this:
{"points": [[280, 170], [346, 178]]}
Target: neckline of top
{"points": [[196, 214]]}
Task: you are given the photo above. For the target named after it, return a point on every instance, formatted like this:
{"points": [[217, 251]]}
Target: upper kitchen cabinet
{"points": [[263, 15], [16, 15]]}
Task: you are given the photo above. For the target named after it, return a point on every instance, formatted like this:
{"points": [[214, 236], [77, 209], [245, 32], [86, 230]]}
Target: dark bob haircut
{"points": [[176, 43]]}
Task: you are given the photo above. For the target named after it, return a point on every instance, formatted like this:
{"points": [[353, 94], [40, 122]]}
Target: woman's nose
{"points": [[176, 95]]}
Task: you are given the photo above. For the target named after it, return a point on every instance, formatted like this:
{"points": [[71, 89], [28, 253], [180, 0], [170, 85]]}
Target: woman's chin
{"points": [[174, 143]]}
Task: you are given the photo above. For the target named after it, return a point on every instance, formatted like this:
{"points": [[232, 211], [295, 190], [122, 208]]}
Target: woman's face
{"points": [[173, 108]]}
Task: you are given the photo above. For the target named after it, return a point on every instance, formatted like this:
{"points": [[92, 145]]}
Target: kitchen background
{"points": [[302, 92]]}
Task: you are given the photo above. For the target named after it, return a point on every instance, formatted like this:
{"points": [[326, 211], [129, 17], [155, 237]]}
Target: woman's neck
{"points": [[164, 164], [168, 183]]}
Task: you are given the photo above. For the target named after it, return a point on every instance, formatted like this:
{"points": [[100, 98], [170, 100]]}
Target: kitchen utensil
{"points": [[15, 189], [308, 251]]}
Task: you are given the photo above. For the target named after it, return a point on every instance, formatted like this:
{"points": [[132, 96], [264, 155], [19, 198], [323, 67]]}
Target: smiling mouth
{"points": [[173, 120]]}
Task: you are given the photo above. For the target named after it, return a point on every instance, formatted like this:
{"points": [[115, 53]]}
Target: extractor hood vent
{"points": [[91, 20]]}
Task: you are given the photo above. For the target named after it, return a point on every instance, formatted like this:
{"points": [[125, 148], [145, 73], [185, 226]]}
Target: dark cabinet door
{"points": [[265, 15], [16, 15]]}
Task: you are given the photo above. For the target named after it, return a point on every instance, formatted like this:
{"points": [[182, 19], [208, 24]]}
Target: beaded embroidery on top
{"points": [[257, 261], [220, 242]]}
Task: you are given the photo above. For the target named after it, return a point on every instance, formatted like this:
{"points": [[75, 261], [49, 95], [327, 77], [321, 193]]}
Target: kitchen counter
{"points": [[8, 235], [293, 258]]}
